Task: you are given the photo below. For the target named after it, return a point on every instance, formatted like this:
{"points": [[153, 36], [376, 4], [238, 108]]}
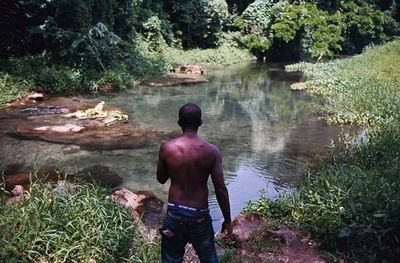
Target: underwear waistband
{"points": [[187, 211]]}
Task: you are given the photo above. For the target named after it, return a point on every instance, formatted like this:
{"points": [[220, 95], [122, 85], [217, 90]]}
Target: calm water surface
{"points": [[265, 131]]}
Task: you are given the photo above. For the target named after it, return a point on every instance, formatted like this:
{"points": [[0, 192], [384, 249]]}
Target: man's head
{"points": [[189, 116]]}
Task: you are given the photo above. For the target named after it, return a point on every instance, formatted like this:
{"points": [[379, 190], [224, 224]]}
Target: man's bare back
{"points": [[189, 161]]}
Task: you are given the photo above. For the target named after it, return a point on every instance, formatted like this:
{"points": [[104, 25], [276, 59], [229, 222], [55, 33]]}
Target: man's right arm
{"points": [[221, 193], [162, 171]]}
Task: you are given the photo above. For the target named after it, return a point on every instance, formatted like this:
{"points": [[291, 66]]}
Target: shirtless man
{"points": [[189, 161]]}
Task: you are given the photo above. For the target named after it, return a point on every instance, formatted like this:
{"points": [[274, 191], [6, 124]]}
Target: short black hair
{"points": [[190, 116]]}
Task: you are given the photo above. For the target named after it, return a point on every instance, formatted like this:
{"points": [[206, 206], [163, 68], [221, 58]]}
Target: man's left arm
{"points": [[162, 171], [221, 192]]}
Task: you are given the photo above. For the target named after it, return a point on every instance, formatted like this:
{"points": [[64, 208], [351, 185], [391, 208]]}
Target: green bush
{"points": [[119, 78], [59, 80], [321, 31], [365, 24], [78, 225], [224, 55], [11, 88]]}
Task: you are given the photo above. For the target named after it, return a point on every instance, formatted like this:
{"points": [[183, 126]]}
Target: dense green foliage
{"points": [[315, 30], [349, 200], [83, 44], [74, 225], [225, 55]]}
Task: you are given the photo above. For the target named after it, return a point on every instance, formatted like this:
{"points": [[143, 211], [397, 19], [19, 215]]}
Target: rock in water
{"points": [[101, 174], [35, 96], [17, 194], [139, 204], [190, 69], [61, 128]]}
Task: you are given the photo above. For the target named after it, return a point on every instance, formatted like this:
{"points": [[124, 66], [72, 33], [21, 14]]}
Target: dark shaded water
{"points": [[265, 131]]}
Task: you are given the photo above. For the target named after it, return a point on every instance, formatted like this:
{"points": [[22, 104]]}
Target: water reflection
{"points": [[264, 130]]}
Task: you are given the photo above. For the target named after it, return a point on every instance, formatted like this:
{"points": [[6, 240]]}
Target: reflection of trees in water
{"points": [[255, 119]]}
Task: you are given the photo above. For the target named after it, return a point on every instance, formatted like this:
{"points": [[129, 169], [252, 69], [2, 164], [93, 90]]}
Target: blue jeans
{"points": [[177, 233]]}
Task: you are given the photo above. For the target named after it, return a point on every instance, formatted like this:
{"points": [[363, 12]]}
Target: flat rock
{"points": [[176, 79], [60, 128], [189, 69], [250, 229], [35, 96], [142, 206], [29, 120], [17, 195], [25, 178], [117, 136], [298, 86], [45, 110], [101, 174]]}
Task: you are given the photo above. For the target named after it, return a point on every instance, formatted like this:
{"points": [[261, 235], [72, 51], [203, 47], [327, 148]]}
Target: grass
{"points": [[363, 90], [259, 242], [349, 200], [78, 225]]}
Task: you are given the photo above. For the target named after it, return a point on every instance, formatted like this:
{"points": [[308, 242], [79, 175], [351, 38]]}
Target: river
{"points": [[266, 133]]}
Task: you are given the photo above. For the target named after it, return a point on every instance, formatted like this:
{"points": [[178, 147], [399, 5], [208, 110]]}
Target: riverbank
{"points": [[314, 214], [349, 201], [250, 98], [19, 76]]}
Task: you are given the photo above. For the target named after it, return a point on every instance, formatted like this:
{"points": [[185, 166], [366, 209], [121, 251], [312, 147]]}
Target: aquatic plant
{"points": [[98, 112], [362, 90]]}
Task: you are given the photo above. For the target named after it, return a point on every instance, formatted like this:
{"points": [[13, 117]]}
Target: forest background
{"points": [[349, 201], [74, 46]]}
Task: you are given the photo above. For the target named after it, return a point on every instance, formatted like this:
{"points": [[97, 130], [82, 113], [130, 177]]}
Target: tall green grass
{"points": [[349, 201], [79, 225]]}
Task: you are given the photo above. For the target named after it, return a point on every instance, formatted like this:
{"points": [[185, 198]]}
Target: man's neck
{"points": [[190, 133]]}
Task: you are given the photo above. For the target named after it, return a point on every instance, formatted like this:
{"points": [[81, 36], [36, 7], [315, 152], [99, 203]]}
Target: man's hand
{"points": [[226, 229]]}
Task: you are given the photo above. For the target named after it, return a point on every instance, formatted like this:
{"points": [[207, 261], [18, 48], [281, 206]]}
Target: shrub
{"points": [[10, 87], [224, 55], [59, 80]]}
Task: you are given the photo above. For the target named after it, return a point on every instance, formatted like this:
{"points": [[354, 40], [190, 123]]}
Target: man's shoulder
{"points": [[213, 148], [168, 144]]}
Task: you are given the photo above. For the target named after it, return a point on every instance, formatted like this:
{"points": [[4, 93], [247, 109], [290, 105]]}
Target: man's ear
{"points": [[179, 123], [200, 123]]}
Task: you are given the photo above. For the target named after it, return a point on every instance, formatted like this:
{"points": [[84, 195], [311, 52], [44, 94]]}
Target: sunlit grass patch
{"points": [[362, 90]]}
